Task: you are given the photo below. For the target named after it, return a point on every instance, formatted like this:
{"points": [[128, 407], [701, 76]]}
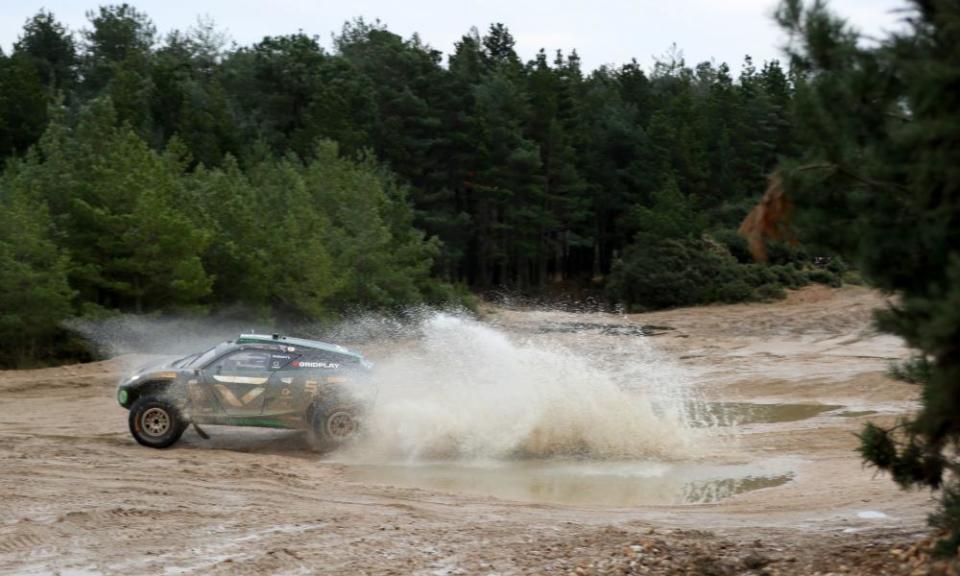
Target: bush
{"points": [[733, 242], [780, 252], [824, 276], [853, 277], [669, 273], [733, 292], [790, 275], [769, 292], [758, 274], [445, 295], [664, 274], [836, 265]]}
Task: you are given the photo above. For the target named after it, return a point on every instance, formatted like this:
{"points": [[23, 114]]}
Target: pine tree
{"points": [[116, 61], [406, 78], [50, 48], [118, 34], [189, 101], [23, 105], [499, 50], [229, 208], [34, 294], [507, 192], [381, 261], [300, 272], [115, 202], [877, 166]]}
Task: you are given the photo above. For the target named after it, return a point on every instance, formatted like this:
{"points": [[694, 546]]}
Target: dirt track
{"points": [[79, 496]]}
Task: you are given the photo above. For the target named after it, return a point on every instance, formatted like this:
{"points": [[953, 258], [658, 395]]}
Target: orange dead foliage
{"points": [[768, 219]]}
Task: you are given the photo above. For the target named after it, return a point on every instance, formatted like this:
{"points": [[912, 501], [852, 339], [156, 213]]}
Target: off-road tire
{"points": [[334, 424], [155, 422]]}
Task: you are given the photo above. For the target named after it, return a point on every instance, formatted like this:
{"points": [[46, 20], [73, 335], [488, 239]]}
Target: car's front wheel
{"points": [[155, 422]]}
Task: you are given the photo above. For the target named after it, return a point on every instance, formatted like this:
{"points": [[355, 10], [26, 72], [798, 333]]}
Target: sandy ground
{"points": [[79, 496]]}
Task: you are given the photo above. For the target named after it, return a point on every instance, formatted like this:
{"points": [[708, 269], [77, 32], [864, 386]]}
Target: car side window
{"points": [[243, 361], [282, 360]]}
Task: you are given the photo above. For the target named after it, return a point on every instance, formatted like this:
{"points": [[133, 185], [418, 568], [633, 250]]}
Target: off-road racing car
{"points": [[268, 381]]}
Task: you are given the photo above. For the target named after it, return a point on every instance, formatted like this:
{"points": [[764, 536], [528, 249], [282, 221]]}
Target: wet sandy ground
{"points": [[80, 497]]}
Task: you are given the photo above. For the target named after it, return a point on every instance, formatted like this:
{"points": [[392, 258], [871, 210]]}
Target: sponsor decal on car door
{"points": [[285, 391], [239, 381]]}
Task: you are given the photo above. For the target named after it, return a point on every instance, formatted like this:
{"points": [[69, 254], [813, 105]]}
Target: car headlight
{"points": [[122, 396]]}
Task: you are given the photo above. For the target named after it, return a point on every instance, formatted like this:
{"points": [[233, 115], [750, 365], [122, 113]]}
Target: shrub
{"points": [[733, 242], [824, 276], [666, 273], [669, 273], [780, 252], [734, 291], [758, 274], [790, 275], [836, 265], [852, 277], [769, 292]]}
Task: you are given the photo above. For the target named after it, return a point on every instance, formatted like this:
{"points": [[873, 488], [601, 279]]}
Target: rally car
{"points": [[268, 381]]}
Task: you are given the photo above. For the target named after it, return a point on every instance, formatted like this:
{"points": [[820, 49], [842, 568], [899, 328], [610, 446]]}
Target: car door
{"points": [[238, 380], [285, 391], [300, 380]]}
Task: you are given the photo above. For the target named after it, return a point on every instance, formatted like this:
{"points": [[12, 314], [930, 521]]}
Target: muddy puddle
{"points": [[595, 328], [583, 483], [741, 413], [856, 413]]}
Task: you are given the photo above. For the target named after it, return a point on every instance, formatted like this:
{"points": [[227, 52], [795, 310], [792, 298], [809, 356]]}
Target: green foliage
{"points": [[657, 273], [768, 292], [790, 275], [853, 277], [528, 173], [780, 252], [116, 204], [758, 275], [916, 370], [672, 273], [381, 260], [947, 518], [670, 215], [34, 293], [118, 34], [734, 243], [877, 446], [303, 182], [292, 93], [23, 104], [876, 179], [823, 276], [50, 48], [189, 101], [312, 240], [228, 207]]}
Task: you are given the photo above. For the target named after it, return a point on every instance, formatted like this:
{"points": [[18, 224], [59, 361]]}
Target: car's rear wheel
{"points": [[334, 424], [155, 422]]}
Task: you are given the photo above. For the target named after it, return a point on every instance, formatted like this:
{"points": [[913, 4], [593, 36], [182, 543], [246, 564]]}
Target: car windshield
{"points": [[202, 359], [184, 361]]}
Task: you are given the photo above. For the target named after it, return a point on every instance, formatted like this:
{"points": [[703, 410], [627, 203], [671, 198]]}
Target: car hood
{"points": [[165, 365], [154, 365]]}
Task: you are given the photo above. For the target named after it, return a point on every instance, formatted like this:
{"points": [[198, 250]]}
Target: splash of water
{"points": [[467, 390], [451, 387], [158, 335]]}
